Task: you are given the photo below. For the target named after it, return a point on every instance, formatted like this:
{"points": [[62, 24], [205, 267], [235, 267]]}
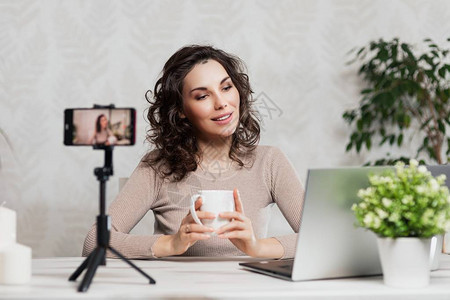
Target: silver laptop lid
{"points": [[329, 245], [441, 169]]}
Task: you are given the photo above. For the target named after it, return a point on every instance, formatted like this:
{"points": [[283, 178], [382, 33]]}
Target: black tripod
{"points": [[98, 256]]}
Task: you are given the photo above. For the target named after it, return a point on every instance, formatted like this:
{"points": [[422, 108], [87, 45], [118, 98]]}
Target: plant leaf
{"points": [[441, 126], [400, 139], [442, 71]]}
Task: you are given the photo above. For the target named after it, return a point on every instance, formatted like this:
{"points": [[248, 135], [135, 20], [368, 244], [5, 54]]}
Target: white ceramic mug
{"points": [[215, 201]]}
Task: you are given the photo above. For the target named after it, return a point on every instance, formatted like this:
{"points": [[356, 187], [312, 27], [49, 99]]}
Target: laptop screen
{"points": [[329, 245]]}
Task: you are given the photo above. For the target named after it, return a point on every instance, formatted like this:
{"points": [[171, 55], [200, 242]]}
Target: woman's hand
{"points": [[239, 231], [191, 232]]}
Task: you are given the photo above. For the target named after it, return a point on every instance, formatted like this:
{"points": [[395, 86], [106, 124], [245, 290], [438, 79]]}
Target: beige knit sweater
{"points": [[271, 179]]}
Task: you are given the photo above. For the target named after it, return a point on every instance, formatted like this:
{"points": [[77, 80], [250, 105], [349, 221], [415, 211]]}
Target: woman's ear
{"points": [[180, 109]]}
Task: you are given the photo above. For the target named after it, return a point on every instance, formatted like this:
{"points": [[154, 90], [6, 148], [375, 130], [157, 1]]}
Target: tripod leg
{"points": [[83, 266], [152, 281], [92, 267], [103, 262]]}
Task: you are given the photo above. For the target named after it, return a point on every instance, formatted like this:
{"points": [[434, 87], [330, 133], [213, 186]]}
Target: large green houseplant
{"points": [[407, 93]]}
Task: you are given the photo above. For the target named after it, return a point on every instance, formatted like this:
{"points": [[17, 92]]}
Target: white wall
{"points": [[59, 54]]}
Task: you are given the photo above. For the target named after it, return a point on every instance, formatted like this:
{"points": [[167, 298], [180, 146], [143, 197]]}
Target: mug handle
{"points": [[192, 208]]}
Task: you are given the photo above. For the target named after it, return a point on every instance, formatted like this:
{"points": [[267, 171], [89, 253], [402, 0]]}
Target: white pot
{"points": [[405, 261], [436, 250]]}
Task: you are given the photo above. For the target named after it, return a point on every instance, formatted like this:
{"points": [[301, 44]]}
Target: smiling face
{"points": [[210, 101]]}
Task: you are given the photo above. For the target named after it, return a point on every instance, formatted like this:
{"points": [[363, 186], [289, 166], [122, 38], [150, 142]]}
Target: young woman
{"points": [[102, 134], [205, 135]]}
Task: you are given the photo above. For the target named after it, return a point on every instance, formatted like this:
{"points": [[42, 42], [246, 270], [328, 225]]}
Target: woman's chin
{"points": [[228, 132], [220, 135]]}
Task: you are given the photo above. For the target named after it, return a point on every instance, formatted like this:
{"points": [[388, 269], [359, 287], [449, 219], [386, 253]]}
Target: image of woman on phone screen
{"points": [[102, 134], [204, 135]]}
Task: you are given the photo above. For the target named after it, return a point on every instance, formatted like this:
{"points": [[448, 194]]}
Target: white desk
{"points": [[195, 278]]}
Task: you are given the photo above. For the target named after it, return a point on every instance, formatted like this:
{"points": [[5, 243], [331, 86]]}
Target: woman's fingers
{"points": [[233, 215], [205, 215], [200, 215], [234, 225], [195, 236], [192, 232], [198, 203], [237, 201], [195, 228], [237, 234]]}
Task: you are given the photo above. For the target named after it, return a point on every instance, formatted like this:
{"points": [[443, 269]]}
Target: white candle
{"points": [[7, 226], [15, 264]]}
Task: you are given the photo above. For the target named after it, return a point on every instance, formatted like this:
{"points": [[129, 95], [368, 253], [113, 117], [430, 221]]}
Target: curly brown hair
{"points": [[173, 137]]}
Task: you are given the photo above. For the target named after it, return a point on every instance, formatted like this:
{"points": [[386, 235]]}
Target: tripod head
{"points": [[104, 172]]}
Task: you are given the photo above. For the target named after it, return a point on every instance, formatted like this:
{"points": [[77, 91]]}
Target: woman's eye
{"points": [[200, 97], [227, 87]]}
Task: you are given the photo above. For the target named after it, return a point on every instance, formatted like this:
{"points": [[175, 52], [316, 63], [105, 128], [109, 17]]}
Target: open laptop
{"points": [[329, 245]]}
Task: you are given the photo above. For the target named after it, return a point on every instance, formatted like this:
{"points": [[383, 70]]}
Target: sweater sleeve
{"points": [[287, 192], [129, 207]]}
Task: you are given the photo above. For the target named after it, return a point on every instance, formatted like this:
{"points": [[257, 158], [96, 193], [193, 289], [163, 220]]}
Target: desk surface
{"points": [[199, 278]]}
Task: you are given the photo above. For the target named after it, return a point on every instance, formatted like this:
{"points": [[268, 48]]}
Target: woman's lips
{"points": [[223, 120]]}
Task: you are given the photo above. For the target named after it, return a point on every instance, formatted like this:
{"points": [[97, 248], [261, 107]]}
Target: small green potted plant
{"points": [[405, 207]]}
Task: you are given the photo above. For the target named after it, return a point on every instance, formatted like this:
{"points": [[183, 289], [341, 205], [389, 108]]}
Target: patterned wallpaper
{"points": [[59, 54]]}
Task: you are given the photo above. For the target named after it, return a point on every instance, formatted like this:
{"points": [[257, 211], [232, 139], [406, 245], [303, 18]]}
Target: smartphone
{"points": [[99, 126]]}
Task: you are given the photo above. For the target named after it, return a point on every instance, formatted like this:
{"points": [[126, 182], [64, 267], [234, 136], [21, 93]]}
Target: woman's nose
{"points": [[220, 102]]}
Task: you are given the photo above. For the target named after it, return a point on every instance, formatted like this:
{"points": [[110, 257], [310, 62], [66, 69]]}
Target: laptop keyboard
{"points": [[278, 267], [289, 266]]}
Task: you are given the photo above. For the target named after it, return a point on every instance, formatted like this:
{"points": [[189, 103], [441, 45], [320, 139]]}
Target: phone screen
{"points": [[99, 126]]}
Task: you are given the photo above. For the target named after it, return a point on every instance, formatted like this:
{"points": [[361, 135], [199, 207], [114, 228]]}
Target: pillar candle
{"points": [[7, 226], [15, 264]]}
